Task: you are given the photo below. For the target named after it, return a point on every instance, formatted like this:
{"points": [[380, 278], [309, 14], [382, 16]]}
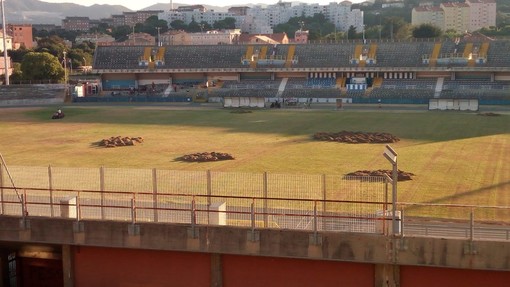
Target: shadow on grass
{"points": [[477, 191], [423, 126]]}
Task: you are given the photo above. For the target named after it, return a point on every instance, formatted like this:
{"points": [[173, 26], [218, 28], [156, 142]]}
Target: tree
{"points": [[17, 55], [151, 24], [227, 23], [335, 36], [452, 34], [351, 33], [17, 74], [41, 66], [87, 47], [204, 26], [396, 27], [193, 27], [178, 25], [101, 28], [317, 26], [77, 57], [121, 33], [426, 31], [53, 45]]}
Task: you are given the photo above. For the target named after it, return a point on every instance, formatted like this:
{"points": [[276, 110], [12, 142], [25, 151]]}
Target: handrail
{"points": [[247, 211]]}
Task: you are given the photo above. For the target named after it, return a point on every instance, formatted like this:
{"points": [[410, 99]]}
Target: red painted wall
{"points": [[250, 271], [140, 268], [429, 276]]}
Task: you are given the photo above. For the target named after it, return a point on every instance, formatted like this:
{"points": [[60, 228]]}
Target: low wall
{"points": [[330, 246], [38, 94]]}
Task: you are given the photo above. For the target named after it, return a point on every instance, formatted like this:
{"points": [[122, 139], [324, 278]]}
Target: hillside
{"points": [[39, 12]]}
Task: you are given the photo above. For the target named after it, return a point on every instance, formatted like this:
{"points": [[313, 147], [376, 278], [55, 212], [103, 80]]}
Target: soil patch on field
{"points": [[205, 156], [240, 111], [402, 175], [119, 141], [489, 114], [356, 137]]}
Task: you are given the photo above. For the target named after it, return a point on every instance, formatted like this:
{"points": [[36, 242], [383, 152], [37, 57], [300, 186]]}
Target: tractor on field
{"points": [[58, 115]]}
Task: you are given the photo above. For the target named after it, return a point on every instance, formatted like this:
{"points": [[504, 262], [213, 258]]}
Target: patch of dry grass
{"points": [[457, 157]]}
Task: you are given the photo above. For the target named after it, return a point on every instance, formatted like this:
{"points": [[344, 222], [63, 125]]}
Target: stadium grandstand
{"points": [[409, 72]]}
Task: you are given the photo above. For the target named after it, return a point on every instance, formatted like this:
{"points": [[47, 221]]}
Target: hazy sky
{"points": [[140, 4]]}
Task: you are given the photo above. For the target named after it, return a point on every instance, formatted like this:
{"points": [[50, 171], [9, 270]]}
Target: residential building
{"points": [[483, 14], [133, 18], [191, 8], [45, 27], [456, 16], [107, 21], [206, 38], [278, 38], [461, 17], [94, 38], [141, 39], [301, 36], [199, 16], [76, 23], [21, 35], [255, 25], [340, 14], [239, 10], [8, 41], [2, 67], [262, 19], [118, 20], [433, 15], [173, 37], [395, 4]]}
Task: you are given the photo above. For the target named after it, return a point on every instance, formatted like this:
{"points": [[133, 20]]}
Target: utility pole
{"points": [[134, 36], [159, 41], [380, 26], [364, 41], [65, 73], [4, 29]]}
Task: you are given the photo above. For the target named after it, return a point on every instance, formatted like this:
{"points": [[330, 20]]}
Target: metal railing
{"points": [[460, 221], [470, 222], [241, 211]]}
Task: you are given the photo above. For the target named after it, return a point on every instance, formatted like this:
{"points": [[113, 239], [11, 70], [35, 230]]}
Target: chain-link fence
{"points": [[323, 202], [256, 200]]}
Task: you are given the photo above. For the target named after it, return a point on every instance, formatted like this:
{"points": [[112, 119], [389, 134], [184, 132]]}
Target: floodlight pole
{"points": [[4, 28], [65, 73], [391, 155], [159, 41]]}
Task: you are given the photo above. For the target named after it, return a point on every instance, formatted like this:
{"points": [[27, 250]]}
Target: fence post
{"points": [[266, 219], [23, 206], [253, 218], [324, 194], [50, 186], [315, 234], [209, 187], [471, 225], [385, 204], [78, 208], [193, 217], [101, 188], [155, 194], [133, 210], [402, 227], [2, 207]]}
